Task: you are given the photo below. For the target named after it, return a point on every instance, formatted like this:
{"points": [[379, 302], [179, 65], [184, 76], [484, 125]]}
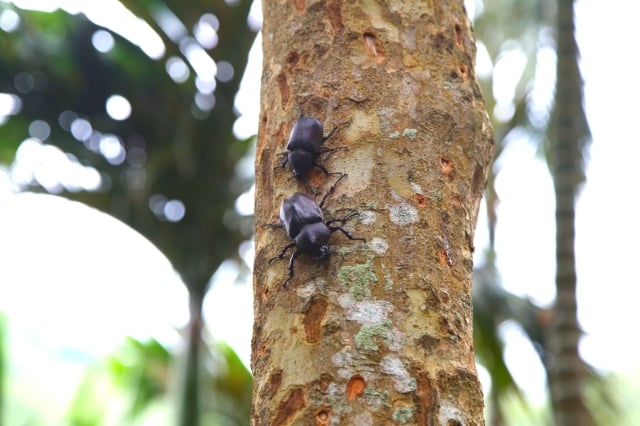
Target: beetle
{"points": [[304, 146], [302, 219]]}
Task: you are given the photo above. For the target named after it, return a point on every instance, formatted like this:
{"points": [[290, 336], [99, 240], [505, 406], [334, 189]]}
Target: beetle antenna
{"points": [[327, 150], [342, 219], [324, 138]]}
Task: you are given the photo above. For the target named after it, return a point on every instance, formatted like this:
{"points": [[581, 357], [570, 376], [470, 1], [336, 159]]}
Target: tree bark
{"points": [[381, 332]]}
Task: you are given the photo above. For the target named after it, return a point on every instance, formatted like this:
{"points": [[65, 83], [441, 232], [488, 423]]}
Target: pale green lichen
{"points": [[403, 214], [394, 135], [366, 337], [403, 415], [388, 282], [376, 398], [358, 278], [367, 217], [410, 133], [378, 245], [383, 117], [344, 250]]}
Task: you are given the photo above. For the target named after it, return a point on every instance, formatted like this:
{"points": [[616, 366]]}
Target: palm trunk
{"points": [[568, 132], [190, 406]]}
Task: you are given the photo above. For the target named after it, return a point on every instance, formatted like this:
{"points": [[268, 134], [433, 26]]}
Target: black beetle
{"points": [[303, 222], [304, 146]]}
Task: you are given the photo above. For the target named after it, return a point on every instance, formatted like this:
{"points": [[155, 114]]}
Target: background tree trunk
{"points": [[568, 132], [382, 331]]}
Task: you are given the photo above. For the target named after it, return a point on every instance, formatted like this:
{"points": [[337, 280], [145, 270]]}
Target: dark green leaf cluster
{"points": [[168, 170]]}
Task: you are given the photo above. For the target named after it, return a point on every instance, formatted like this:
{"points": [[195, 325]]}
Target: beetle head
{"points": [[323, 252]]}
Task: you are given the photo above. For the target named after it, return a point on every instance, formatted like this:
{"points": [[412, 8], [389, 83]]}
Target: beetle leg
{"points": [[291, 260], [345, 232], [284, 161], [342, 220], [272, 225], [330, 191], [321, 167], [284, 250], [325, 171]]}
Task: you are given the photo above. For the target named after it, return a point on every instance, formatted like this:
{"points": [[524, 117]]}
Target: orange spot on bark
{"points": [[355, 387], [299, 4], [463, 71], [292, 60], [374, 46], [283, 85], [313, 319], [281, 134], [427, 401], [334, 13], [288, 408], [446, 166], [323, 417], [458, 30], [262, 351], [442, 257], [420, 200], [274, 382], [370, 43]]}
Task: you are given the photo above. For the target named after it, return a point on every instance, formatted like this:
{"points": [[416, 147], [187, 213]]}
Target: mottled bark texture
{"points": [[568, 135], [381, 332]]}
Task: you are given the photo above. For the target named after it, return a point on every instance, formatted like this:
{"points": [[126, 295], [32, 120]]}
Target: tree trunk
{"points": [[568, 133], [190, 404], [380, 332]]}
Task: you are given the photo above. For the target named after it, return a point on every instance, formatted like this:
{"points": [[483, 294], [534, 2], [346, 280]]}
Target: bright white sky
{"points": [[51, 299]]}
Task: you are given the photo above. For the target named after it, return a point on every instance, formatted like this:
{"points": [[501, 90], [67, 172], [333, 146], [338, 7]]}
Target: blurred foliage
{"points": [[172, 148], [3, 351], [135, 384], [141, 367], [169, 170]]}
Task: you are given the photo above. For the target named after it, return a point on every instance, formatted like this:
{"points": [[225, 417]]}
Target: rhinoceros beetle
{"points": [[305, 145], [304, 223]]}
